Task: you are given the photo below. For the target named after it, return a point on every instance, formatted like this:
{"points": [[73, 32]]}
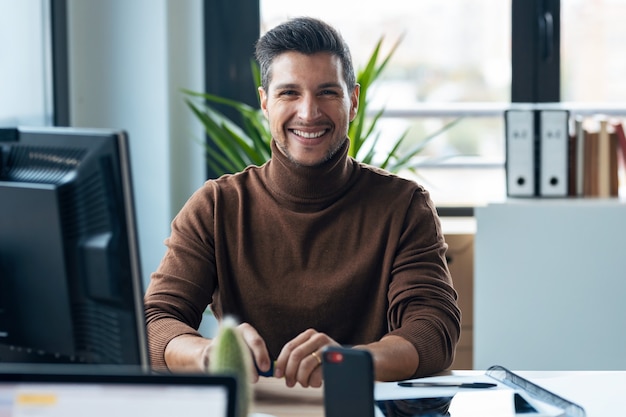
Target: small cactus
{"points": [[230, 355]]}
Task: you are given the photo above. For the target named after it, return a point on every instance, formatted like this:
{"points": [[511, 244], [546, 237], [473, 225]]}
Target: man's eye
{"points": [[328, 92], [287, 93]]}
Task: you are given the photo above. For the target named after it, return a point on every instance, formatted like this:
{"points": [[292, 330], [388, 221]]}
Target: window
{"points": [[453, 61], [472, 60], [593, 63], [25, 74]]}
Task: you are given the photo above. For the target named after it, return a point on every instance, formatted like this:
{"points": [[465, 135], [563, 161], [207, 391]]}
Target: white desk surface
{"points": [[600, 393]]}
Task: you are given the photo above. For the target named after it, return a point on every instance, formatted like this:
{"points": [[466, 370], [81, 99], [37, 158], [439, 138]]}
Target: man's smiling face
{"points": [[309, 106]]}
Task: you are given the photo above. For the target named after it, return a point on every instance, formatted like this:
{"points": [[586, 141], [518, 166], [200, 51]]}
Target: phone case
{"points": [[348, 382]]}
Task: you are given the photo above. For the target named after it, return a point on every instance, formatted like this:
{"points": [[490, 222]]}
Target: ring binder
{"points": [[553, 153], [520, 153]]}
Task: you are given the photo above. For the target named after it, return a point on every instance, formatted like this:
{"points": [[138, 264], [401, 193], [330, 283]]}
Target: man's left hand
{"points": [[300, 359]]}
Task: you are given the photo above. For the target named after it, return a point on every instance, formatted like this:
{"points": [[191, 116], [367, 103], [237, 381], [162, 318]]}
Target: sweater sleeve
{"points": [[182, 286], [422, 301]]}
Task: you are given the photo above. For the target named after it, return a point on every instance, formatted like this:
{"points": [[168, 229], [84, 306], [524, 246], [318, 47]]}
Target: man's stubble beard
{"points": [[329, 155]]}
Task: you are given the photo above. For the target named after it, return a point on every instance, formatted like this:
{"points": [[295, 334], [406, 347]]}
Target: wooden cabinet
{"points": [[459, 234]]}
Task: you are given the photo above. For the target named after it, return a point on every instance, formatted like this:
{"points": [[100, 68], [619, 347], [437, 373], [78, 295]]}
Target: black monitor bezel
{"points": [[11, 137]]}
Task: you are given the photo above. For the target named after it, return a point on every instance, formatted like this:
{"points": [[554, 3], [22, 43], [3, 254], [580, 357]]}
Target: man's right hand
{"points": [[191, 353], [257, 346]]}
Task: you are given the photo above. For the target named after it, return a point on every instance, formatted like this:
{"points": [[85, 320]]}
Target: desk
{"points": [[273, 397], [601, 393]]}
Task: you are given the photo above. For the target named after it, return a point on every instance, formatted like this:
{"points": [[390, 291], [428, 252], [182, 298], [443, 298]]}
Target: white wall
{"points": [[128, 60]]}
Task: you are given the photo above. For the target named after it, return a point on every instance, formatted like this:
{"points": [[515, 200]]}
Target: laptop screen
{"points": [[64, 395]]}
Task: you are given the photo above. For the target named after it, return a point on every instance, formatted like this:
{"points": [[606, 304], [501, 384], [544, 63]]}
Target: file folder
{"points": [[520, 153], [553, 153]]}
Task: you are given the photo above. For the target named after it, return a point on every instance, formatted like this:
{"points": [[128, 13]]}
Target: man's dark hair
{"points": [[307, 36]]}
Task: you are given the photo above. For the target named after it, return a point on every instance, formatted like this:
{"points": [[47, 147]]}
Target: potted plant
{"points": [[232, 147]]}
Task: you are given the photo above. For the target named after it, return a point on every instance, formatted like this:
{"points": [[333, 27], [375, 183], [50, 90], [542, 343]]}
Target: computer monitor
{"points": [[99, 391], [70, 283]]}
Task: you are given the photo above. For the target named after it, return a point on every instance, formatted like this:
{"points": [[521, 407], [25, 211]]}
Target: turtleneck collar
{"points": [[310, 185]]}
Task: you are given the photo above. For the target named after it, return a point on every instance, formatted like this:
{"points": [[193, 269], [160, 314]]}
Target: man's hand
{"points": [[191, 353], [300, 359], [257, 346]]}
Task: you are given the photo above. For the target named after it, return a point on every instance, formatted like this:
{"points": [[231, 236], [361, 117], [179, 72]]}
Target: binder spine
{"points": [[537, 152], [520, 153], [553, 153]]}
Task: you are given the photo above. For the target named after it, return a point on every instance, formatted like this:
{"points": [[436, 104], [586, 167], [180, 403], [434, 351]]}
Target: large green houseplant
{"points": [[234, 146]]}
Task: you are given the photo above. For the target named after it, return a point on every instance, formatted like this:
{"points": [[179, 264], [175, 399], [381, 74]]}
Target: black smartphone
{"points": [[348, 382]]}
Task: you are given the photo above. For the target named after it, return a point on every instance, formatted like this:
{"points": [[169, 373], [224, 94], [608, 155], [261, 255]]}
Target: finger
{"points": [[290, 356], [309, 372], [300, 361], [316, 378], [258, 348]]}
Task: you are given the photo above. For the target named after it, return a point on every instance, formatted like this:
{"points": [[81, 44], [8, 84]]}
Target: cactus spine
{"points": [[230, 355]]}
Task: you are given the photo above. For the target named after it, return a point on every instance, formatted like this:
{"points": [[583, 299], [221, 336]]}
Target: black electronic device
{"points": [[348, 382], [70, 282]]}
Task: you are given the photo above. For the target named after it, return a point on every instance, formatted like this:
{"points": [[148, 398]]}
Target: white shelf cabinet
{"points": [[550, 284]]}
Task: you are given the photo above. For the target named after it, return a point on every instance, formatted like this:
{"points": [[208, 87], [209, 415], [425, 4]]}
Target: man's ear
{"points": [[263, 100], [354, 101]]}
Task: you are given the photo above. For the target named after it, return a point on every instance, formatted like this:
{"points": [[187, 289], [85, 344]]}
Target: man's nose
{"points": [[309, 108]]}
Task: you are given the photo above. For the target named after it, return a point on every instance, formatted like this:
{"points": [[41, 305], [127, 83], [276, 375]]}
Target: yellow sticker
{"points": [[42, 399]]}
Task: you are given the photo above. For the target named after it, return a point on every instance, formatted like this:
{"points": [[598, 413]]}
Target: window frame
{"points": [[60, 63], [535, 51]]}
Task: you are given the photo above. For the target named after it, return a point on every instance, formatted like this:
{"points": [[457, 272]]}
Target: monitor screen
{"points": [[70, 282], [70, 392]]}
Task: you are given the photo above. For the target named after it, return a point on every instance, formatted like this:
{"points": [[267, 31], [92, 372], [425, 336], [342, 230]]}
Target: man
{"points": [[313, 248]]}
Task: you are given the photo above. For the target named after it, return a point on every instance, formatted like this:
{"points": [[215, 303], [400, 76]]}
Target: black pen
{"points": [[417, 384]]}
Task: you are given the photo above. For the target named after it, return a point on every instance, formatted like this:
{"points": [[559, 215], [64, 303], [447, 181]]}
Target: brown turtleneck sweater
{"points": [[343, 248]]}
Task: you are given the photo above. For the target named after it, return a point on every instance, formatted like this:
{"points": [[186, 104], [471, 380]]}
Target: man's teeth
{"points": [[309, 135]]}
